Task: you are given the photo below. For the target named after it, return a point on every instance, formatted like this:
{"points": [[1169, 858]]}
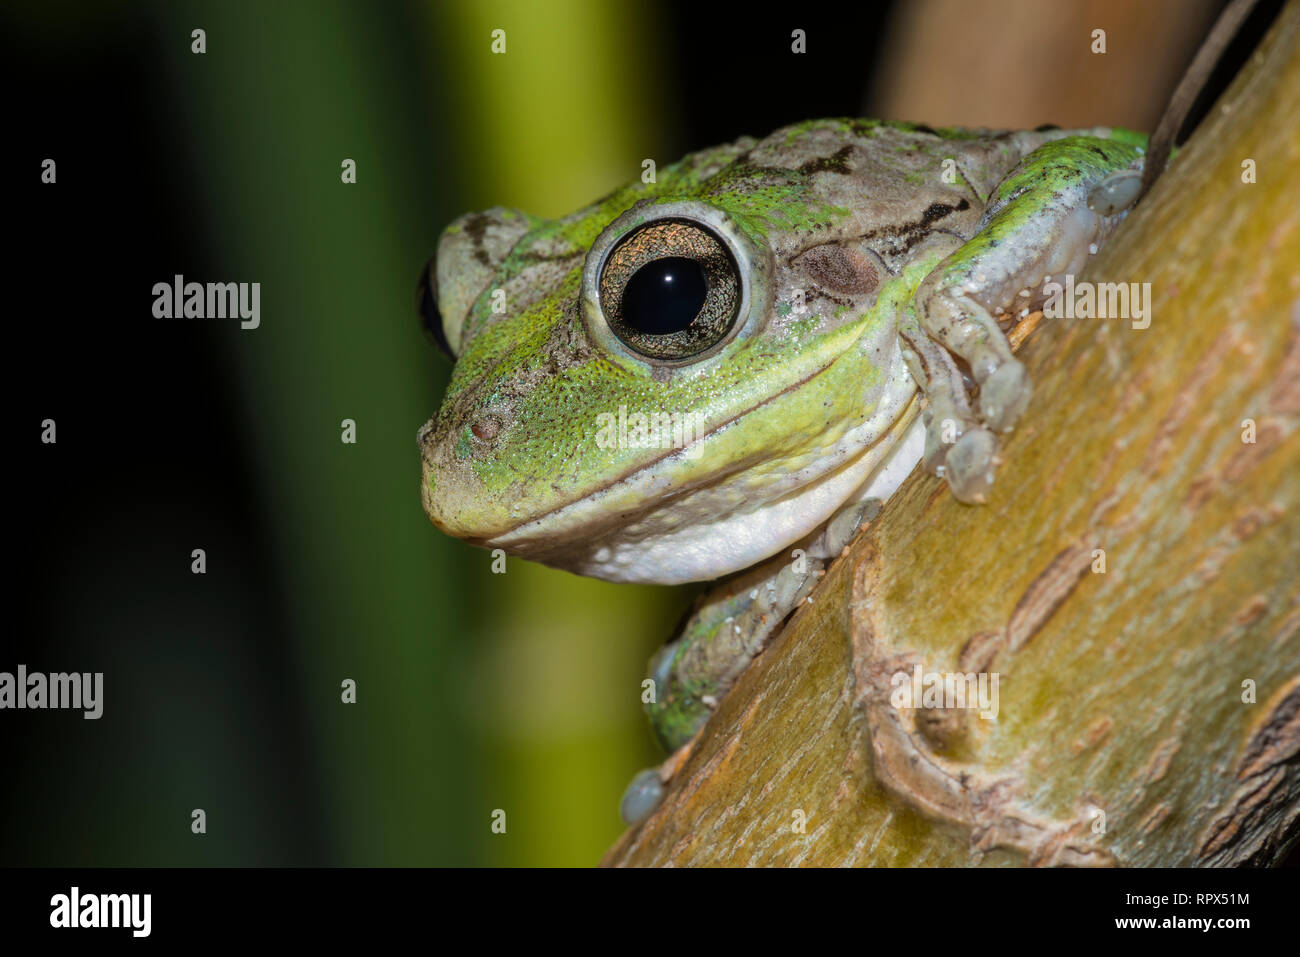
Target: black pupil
{"points": [[664, 296]]}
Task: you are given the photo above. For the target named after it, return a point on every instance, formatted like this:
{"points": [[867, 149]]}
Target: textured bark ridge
{"points": [[1134, 583]]}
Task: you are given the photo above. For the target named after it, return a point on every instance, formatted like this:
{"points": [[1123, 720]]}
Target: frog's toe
{"points": [[944, 425], [843, 526], [970, 465], [1004, 395], [1116, 192], [643, 795], [936, 450]]}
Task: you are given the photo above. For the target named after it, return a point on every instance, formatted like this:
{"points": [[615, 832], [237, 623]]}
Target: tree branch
{"points": [[1148, 713]]}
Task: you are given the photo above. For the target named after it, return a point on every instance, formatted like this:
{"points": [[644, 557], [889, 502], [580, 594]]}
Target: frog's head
{"points": [[670, 384]]}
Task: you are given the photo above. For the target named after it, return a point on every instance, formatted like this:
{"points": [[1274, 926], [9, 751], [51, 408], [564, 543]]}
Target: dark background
{"points": [[222, 690]]}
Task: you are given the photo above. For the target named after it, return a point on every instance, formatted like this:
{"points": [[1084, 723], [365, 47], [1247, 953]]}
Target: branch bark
{"points": [[1149, 714]]}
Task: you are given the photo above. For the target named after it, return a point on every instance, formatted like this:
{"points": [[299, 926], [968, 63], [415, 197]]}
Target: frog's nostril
{"points": [[486, 428]]}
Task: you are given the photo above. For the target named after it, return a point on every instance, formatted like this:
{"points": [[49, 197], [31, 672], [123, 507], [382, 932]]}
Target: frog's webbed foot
{"points": [[727, 627], [646, 791], [958, 446], [643, 795], [1047, 216]]}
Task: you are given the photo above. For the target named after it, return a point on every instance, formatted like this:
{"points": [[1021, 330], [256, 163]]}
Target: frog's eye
{"points": [[426, 297], [670, 290]]}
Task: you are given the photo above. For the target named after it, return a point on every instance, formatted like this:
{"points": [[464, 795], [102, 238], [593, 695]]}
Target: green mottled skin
{"points": [[885, 231], [512, 349]]}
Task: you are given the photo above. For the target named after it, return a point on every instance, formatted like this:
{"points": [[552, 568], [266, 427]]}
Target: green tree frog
{"points": [[723, 371]]}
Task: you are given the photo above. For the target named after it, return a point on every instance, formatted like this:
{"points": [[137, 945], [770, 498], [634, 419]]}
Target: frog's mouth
{"points": [[709, 545], [650, 526]]}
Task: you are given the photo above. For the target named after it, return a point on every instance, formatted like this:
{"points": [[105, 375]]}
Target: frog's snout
{"points": [[436, 484], [451, 493], [428, 476]]}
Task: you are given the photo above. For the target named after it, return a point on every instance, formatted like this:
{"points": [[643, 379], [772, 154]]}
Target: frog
{"points": [[722, 371]]}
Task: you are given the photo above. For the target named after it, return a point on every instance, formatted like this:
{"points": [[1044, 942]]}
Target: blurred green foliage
{"points": [[475, 691]]}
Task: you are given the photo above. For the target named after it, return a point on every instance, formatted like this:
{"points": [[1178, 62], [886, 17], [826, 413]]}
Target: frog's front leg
{"points": [[1045, 218], [956, 444], [728, 626]]}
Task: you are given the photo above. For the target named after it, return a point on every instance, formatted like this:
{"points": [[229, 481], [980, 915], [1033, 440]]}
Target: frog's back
{"points": [[820, 308], [899, 183]]}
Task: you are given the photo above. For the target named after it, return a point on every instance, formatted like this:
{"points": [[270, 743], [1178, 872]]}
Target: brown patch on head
{"points": [[476, 227], [839, 269], [837, 162]]}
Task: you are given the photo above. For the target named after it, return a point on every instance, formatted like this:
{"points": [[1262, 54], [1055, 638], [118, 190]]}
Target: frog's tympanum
{"points": [[722, 372]]}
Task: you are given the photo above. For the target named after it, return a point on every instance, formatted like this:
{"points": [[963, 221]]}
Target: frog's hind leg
{"points": [[1045, 218], [728, 626]]}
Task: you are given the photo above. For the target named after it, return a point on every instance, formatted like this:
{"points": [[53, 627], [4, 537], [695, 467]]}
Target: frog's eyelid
{"points": [[426, 297]]}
